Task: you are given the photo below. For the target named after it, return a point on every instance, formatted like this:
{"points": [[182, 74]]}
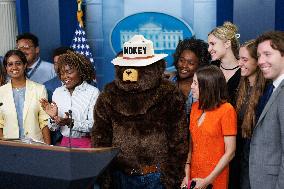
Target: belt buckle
{"points": [[144, 170], [134, 172], [149, 169]]}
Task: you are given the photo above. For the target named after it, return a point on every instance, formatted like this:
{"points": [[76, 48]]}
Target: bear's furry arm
{"points": [[178, 137], [102, 129]]}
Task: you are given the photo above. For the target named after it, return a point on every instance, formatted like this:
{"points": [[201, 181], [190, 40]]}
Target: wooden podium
{"points": [[37, 166]]}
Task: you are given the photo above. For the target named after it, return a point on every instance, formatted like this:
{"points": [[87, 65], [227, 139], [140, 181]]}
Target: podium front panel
{"points": [[43, 166]]}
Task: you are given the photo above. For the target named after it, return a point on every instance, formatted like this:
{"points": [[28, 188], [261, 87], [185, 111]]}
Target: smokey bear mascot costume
{"points": [[143, 115]]}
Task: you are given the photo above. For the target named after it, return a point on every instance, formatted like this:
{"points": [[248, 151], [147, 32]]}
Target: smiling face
{"points": [[70, 77], [270, 61], [187, 64], [15, 67], [195, 87], [247, 63], [27, 47], [216, 48]]}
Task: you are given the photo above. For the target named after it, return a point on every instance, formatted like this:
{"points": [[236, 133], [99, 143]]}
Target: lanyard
{"points": [[34, 69]]}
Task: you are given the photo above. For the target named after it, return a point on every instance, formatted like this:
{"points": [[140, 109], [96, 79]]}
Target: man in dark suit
{"points": [[266, 161]]}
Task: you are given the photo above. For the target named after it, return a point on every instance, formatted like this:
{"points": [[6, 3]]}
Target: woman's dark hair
{"points": [[18, 53], [10, 53], [2, 75], [197, 46], [212, 87], [79, 62]]}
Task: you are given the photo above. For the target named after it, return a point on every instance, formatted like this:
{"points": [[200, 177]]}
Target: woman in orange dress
{"points": [[213, 128]]}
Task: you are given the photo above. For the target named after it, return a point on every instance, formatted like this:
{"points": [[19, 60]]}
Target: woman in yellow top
{"points": [[21, 115]]}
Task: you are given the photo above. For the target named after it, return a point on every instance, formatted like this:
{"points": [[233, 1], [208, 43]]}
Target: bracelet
{"points": [[188, 163], [51, 121]]}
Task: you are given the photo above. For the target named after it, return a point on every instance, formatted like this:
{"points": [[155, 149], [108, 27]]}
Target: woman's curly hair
{"points": [[197, 46], [79, 62]]}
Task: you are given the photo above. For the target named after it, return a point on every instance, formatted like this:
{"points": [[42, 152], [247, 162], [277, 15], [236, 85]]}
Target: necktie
{"points": [[264, 99]]}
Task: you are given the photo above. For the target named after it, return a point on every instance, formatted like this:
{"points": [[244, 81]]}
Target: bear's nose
{"points": [[128, 72]]}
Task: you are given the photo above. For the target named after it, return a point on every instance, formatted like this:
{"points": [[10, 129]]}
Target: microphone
{"points": [[70, 112], [70, 116], [70, 127]]}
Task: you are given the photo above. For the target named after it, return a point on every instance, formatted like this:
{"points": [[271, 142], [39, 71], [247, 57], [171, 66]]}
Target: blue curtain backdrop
{"points": [[54, 22]]}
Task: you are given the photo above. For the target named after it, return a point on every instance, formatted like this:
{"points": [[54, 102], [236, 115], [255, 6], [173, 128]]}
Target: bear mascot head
{"points": [[144, 115]]}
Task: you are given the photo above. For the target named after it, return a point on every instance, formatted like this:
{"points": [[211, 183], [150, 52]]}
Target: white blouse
{"points": [[81, 103]]}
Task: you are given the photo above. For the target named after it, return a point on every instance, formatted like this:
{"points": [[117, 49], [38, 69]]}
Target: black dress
{"points": [[232, 83], [243, 148], [234, 171], [232, 86]]}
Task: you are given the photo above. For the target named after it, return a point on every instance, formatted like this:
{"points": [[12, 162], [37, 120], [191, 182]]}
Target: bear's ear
{"points": [[118, 72]]}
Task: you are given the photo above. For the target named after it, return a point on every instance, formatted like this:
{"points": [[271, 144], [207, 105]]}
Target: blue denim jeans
{"points": [[149, 181]]}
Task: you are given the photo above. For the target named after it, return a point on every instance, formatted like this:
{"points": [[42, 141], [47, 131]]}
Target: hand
{"points": [[50, 108], [187, 176], [184, 182], [201, 183], [43, 102], [62, 121]]}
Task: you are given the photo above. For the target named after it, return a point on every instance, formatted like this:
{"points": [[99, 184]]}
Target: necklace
{"points": [[19, 89], [228, 68]]}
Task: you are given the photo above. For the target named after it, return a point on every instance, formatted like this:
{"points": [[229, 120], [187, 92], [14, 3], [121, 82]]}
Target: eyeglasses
{"points": [[9, 64], [24, 47]]}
